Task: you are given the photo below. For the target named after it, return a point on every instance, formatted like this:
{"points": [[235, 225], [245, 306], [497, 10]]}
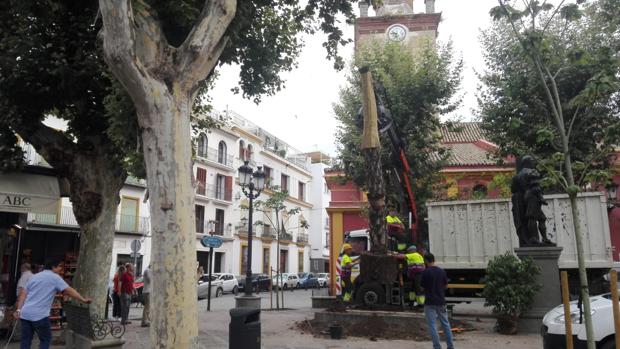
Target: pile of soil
{"points": [[375, 328]]}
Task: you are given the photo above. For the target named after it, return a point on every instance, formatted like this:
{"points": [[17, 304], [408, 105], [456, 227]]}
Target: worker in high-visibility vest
{"points": [[345, 272], [396, 230], [415, 267]]}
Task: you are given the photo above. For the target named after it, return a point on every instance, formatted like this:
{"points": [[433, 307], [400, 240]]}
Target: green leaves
{"points": [[510, 284]]}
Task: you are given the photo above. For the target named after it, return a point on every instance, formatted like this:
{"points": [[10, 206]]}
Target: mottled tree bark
{"points": [[162, 81]]}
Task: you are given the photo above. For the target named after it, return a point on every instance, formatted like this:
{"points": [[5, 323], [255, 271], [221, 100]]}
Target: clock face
{"points": [[397, 32]]}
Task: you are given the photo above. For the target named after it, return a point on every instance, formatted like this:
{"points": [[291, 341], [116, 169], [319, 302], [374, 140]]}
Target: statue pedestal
{"points": [[549, 296]]}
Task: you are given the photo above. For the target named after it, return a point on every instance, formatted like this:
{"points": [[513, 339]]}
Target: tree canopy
{"points": [[418, 89], [579, 49]]}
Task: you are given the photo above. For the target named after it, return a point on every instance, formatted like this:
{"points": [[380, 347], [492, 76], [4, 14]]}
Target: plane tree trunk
{"points": [[162, 81]]}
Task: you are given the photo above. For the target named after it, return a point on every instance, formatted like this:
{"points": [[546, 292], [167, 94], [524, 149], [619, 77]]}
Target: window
{"points": [[219, 221], [327, 240], [129, 214], [301, 191], [200, 219], [242, 150], [284, 182], [223, 187], [325, 188], [266, 260], [203, 143], [201, 181], [300, 262], [250, 153], [326, 222], [268, 175], [221, 153]]}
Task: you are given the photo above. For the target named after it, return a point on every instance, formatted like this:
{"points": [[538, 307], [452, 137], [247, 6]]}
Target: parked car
{"points": [[260, 282], [308, 280], [229, 282], [323, 279], [286, 281], [602, 319], [217, 287]]}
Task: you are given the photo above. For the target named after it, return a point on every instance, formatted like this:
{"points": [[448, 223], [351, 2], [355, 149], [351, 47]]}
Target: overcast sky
{"points": [[302, 115]]}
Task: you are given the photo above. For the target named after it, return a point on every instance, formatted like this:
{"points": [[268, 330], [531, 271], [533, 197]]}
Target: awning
{"points": [[24, 192]]}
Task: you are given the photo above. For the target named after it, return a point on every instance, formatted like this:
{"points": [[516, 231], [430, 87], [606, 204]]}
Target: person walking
{"points": [[26, 271], [34, 304], [434, 282], [116, 292], [146, 296], [127, 291]]}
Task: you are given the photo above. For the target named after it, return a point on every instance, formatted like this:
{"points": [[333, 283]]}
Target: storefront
{"points": [[20, 242]]}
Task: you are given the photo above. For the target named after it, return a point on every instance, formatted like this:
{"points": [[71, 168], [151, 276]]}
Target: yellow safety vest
{"points": [[390, 220], [345, 266], [414, 258]]}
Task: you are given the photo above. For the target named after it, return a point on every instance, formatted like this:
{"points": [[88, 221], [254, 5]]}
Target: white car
{"points": [[323, 279], [286, 281], [217, 288], [229, 282], [602, 320]]}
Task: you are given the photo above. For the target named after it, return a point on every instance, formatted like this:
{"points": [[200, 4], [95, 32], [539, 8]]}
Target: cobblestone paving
{"points": [[278, 332]]}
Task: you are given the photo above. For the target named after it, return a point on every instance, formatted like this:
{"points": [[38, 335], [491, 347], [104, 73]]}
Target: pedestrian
{"points": [[434, 282], [127, 291], [34, 304], [26, 270], [116, 292], [345, 271], [146, 296]]}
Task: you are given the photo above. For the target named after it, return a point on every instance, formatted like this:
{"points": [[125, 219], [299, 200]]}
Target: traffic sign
{"points": [[211, 241], [135, 245]]}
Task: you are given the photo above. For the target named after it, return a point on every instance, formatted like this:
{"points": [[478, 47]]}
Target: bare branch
{"points": [[552, 16], [53, 145], [119, 46], [202, 48], [572, 121]]}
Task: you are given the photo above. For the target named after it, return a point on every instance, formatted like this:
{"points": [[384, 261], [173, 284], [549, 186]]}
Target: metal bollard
{"points": [[244, 329]]}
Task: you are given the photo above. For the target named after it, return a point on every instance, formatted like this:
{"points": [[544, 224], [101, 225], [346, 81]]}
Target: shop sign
{"points": [[15, 203]]}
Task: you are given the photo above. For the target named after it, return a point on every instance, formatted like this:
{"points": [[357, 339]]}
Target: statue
{"points": [[527, 201]]}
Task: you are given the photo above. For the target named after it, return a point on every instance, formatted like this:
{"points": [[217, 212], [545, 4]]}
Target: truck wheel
{"points": [[370, 294]]}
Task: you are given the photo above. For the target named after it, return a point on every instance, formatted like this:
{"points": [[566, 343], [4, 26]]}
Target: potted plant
{"points": [[509, 287]]}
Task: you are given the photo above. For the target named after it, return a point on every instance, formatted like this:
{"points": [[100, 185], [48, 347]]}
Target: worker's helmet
{"points": [[412, 248], [347, 247]]}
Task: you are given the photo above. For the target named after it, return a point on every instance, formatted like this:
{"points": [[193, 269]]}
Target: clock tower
{"points": [[395, 21]]}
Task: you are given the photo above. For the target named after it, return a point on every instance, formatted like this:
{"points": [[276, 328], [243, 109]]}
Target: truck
{"points": [[465, 235]]}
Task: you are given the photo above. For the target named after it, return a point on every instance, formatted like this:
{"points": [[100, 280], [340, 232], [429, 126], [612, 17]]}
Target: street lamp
{"points": [[251, 189], [612, 194]]}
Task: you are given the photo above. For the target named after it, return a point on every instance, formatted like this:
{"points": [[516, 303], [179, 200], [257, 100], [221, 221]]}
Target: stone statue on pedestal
{"points": [[527, 201]]}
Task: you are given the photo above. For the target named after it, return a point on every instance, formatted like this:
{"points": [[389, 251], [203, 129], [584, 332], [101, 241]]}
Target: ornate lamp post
{"points": [[251, 189], [612, 194]]}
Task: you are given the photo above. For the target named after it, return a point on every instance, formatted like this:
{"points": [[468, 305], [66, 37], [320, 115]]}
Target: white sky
{"points": [[302, 115]]}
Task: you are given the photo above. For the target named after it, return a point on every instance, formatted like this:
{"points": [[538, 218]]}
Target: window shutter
{"points": [[228, 188], [201, 178]]}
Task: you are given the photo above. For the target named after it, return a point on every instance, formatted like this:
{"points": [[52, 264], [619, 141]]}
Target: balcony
{"points": [[124, 223], [211, 191], [286, 236], [215, 157], [302, 237]]}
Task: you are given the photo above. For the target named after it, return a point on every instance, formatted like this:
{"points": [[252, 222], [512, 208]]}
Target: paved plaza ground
{"points": [[279, 332]]}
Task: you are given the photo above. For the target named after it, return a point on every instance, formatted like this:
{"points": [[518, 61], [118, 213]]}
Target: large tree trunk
{"points": [[162, 81], [371, 149], [97, 238], [167, 154]]}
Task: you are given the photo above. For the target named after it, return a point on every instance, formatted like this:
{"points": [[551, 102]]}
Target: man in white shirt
{"points": [[146, 295], [26, 270]]}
